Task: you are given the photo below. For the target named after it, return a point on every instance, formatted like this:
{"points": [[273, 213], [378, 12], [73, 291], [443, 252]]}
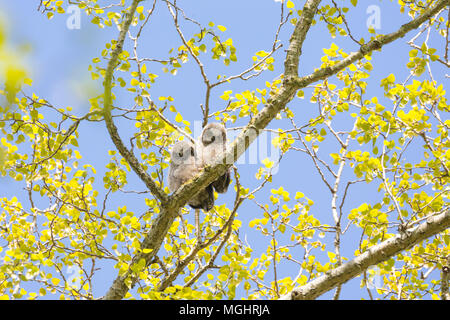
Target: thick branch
{"points": [[298, 37], [372, 256]]}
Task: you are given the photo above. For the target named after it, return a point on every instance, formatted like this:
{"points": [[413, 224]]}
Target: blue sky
{"points": [[59, 57]]}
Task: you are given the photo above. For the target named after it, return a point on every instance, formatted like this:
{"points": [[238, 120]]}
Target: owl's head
{"points": [[214, 133], [183, 152]]}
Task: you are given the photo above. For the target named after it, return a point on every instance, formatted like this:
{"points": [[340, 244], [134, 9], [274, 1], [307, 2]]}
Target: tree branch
{"points": [[372, 256]]}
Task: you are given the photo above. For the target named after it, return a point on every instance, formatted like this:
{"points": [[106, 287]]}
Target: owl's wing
{"points": [[174, 182], [204, 200], [222, 183], [181, 174]]}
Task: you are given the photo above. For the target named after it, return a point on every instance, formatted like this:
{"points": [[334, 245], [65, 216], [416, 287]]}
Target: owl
{"points": [[184, 165], [212, 145]]}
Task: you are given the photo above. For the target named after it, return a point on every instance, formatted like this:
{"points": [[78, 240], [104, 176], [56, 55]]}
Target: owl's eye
{"points": [[180, 154], [192, 152], [213, 138]]}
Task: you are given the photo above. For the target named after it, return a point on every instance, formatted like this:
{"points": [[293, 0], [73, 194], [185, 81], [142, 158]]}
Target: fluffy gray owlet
{"points": [[213, 143], [183, 167]]}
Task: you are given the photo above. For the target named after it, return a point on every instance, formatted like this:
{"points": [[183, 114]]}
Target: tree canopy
{"points": [[355, 185]]}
